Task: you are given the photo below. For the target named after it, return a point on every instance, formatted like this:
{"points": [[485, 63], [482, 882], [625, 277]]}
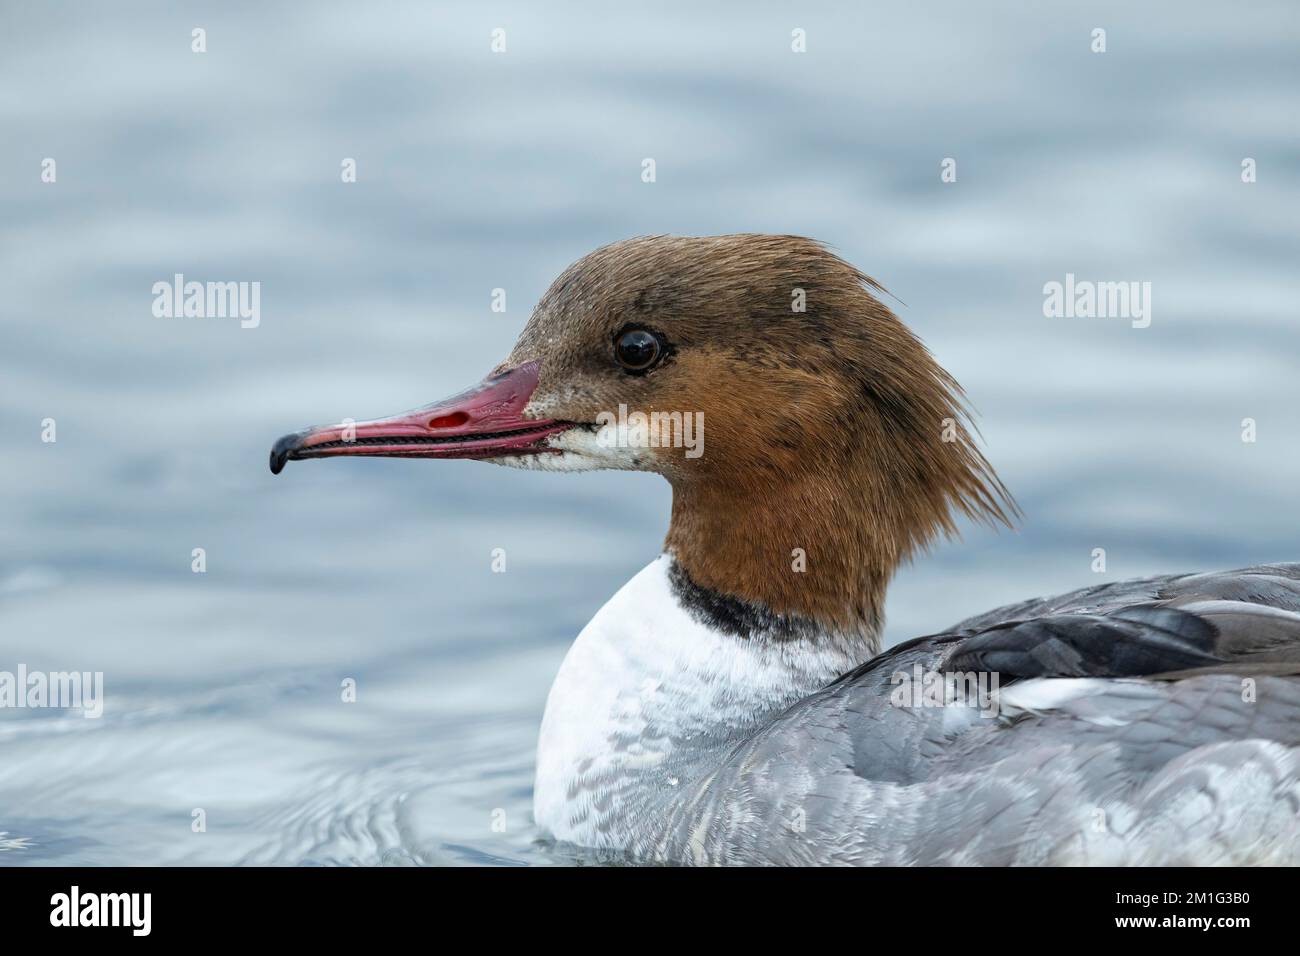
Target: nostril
{"points": [[449, 421]]}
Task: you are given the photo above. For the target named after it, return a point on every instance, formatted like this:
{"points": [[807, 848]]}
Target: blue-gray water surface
{"points": [[481, 170]]}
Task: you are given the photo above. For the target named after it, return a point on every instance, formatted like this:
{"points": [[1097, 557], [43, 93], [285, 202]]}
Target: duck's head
{"points": [[811, 440]]}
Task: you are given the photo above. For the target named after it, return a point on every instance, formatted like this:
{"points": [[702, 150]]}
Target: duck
{"points": [[732, 704]]}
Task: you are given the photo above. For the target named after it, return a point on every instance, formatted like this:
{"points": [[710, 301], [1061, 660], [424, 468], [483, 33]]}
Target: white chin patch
{"points": [[581, 451]]}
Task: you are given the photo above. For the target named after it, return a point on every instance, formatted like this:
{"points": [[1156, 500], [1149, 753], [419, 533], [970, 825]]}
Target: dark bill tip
{"points": [[282, 449]]}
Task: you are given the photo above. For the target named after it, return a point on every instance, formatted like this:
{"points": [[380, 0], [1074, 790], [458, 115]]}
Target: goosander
{"points": [[731, 703]]}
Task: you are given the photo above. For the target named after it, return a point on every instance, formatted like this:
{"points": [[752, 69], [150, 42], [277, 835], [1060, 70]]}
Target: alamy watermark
{"points": [[54, 690], [930, 688], [75, 908], [1085, 299], [208, 300], [652, 430]]}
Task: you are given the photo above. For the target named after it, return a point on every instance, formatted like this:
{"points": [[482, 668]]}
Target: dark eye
{"points": [[637, 350]]}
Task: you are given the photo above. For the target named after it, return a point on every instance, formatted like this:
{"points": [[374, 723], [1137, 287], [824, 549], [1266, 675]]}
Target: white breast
{"points": [[642, 694]]}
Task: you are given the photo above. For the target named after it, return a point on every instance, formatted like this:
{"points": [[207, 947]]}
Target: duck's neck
{"points": [[658, 683], [800, 553]]}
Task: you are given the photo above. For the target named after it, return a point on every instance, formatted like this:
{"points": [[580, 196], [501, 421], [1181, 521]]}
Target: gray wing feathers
{"points": [[1179, 745], [1270, 585]]}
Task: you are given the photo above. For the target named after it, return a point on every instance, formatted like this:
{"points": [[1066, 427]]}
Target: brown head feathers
{"points": [[835, 446]]}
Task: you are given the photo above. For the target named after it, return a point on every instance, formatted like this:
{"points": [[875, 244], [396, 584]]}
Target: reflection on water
{"points": [[478, 171]]}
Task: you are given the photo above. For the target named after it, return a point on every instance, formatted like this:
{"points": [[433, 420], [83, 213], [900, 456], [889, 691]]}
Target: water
{"points": [[478, 171]]}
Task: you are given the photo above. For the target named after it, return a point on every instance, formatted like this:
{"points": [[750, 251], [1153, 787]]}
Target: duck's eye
{"points": [[637, 350]]}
